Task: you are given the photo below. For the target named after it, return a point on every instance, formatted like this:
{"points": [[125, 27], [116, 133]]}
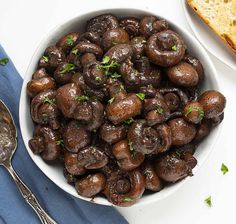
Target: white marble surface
{"points": [[24, 23]]}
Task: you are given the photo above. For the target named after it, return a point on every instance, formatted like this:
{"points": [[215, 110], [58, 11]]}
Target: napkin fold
{"points": [[64, 208]]}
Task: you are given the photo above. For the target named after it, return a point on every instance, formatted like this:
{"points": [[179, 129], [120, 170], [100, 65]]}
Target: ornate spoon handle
{"points": [[29, 196]]}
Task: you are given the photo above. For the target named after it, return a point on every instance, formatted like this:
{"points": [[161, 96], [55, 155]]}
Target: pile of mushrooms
{"points": [[119, 106]]}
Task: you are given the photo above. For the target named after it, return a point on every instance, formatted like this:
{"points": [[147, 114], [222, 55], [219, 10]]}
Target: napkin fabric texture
{"points": [[64, 208]]}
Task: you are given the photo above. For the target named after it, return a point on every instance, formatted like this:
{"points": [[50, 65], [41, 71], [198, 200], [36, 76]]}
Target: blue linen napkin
{"points": [[64, 208]]}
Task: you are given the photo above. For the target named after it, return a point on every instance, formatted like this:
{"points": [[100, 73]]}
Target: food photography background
{"points": [[22, 26]]}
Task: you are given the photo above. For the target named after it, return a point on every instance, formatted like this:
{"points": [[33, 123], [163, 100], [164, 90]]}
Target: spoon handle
{"points": [[29, 197]]}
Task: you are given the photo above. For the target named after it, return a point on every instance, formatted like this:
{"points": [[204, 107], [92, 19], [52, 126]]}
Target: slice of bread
{"points": [[220, 16]]}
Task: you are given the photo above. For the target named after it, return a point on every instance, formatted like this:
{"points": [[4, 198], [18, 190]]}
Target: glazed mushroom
{"points": [[133, 188], [165, 48], [72, 165], [68, 41], [213, 103], [90, 185], [91, 37], [182, 131], [44, 109], [183, 74], [193, 112], [126, 155], [41, 81], [203, 130], [139, 45], [75, 136], [143, 138], [172, 100], [130, 25], [45, 142]]}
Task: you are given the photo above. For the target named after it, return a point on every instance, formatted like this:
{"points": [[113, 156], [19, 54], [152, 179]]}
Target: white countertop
{"points": [[24, 23]]}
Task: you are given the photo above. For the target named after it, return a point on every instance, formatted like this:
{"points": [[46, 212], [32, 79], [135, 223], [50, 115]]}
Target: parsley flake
{"points": [[82, 98], [141, 96], [48, 100], [98, 78], [190, 109], [45, 58], [174, 48], [4, 61], [160, 110], [129, 121], [60, 142], [127, 199], [70, 40], [75, 51], [224, 169], [115, 75], [208, 201], [67, 68], [107, 64], [110, 101]]}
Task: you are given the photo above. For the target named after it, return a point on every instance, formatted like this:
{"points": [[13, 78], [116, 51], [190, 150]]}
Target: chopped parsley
{"points": [[45, 58], [4, 61], [174, 48], [208, 201], [129, 121], [122, 87], [60, 142], [107, 64], [224, 169], [131, 148], [141, 96], [67, 68], [127, 199], [98, 78], [82, 98], [190, 109], [110, 101], [75, 51], [160, 110], [70, 40], [115, 75], [48, 100]]}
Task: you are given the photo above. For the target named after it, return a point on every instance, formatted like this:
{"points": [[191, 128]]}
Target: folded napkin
{"points": [[64, 208]]}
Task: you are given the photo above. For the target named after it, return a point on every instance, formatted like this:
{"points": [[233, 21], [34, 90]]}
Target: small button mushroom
{"points": [[189, 158], [156, 110], [40, 81], [165, 48], [182, 131], [139, 45], [68, 41], [171, 168], [151, 24], [87, 58], [193, 112], [91, 157], [75, 136], [44, 110], [100, 24], [137, 183], [119, 52], [93, 75], [203, 131], [66, 98], [84, 112], [143, 138], [52, 57], [122, 109], [172, 100], [64, 73], [127, 157], [153, 182], [111, 133], [113, 37], [71, 179], [183, 74], [91, 37], [213, 103], [217, 120], [72, 165], [130, 25], [44, 142], [196, 64], [113, 87], [90, 185]]}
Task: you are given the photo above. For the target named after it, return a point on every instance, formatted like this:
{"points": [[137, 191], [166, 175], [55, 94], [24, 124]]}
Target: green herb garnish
{"points": [[4, 61], [45, 58], [107, 64], [190, 109], [127, 199], [208, 201], [174, 48], [82, 98], [122, 87], [67, 68], [48, 100], [110, 101], [70, 40], [115, 75], [60, 142], [98, 78], [160, 110], [75, 51], [129, 121], [141, 96], [224, 169]]}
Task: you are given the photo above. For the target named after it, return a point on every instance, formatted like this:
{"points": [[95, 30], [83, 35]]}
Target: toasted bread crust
{"points": [[228, 21]]}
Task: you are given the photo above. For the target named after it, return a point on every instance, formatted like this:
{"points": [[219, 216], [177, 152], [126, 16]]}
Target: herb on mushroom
{"points": [[4, 61], [195, 108], [208, 201], [67, 68], [174, 48], [127, 199], [129, 121], [131, 148], [115, 75], [60, 142], [45, 58], [224, 168], [82, 98], [141, 96], [48, 100], [107, 64], [75, 51], [160, 110], [110, 101], [70, 40], [98, 78]]}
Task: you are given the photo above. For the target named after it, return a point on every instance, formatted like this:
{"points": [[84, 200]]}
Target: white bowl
{"points": [[78, 24]]}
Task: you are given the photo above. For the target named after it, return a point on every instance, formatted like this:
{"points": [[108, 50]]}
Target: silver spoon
{"points": [[8, 145]]}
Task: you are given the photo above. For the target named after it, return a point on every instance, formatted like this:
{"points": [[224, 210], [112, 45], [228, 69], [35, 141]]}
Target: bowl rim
{"points": [[66, 22]]}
